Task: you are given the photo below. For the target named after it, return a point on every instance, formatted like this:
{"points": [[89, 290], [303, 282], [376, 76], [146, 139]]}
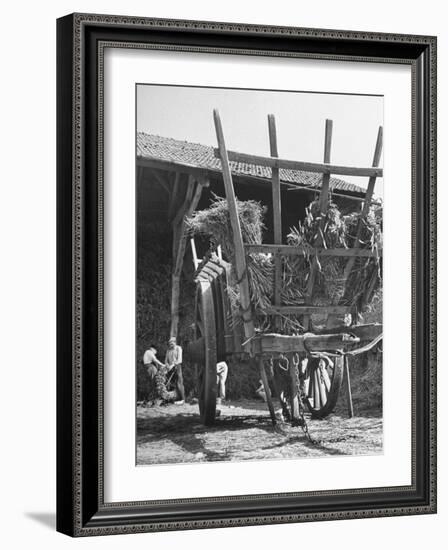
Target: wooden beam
{"points": [[290, 250], [182, 230], [323, 203], [172, 166], [372, 179], [276, 197], [306, 310], [280, 343], [179, 246], [174, 195], [186, 203], [320, 168], [325, 189], [240, 258], [276, 212]]}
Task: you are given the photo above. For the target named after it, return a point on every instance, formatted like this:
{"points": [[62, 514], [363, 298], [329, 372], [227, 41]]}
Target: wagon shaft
{"points": [[278, 343]]}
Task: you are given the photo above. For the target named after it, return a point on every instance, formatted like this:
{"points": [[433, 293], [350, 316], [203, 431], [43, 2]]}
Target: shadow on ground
{"points": [[174, 434]]}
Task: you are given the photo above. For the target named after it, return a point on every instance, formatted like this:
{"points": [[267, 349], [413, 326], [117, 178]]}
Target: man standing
{"points": [[173, 360], [221, 376]]}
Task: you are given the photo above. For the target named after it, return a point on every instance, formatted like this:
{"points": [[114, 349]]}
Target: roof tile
{"points": [[202, 156]]}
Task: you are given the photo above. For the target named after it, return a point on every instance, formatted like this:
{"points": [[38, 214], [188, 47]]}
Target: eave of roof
{"points": [[171, 154]]}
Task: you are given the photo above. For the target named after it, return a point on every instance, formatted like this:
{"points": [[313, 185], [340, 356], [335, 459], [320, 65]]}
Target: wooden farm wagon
{"points": [[315, 362]]}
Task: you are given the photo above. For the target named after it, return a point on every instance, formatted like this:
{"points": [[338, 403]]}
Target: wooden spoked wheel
{"points": [[206, 332], [323, 380]]}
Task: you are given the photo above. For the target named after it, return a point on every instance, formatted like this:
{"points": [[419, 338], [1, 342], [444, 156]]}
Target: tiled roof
{"points": [[202, 156]]}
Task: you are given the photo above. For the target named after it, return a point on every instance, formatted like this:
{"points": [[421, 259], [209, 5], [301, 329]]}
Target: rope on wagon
{"points": [[365, 348]]}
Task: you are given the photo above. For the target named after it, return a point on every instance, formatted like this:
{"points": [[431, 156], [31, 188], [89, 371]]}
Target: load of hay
{"points": [[333, 230]]}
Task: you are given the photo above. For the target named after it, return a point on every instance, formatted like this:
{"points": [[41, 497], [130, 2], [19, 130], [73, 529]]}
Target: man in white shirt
{"points": [[173, 359], [221, 376], [150, 360]]}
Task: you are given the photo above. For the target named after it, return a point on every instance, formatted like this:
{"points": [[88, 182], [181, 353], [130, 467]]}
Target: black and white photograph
{"points": [[259, 238]]}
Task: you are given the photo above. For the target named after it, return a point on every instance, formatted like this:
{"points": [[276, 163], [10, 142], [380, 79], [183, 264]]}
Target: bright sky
{"points": [[186, 113]]}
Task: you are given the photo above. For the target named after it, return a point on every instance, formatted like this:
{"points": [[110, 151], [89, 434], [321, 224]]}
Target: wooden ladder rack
{"points": [[277, 249]]}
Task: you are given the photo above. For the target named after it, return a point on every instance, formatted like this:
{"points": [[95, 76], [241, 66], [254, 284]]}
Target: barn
{"points": [[174, 178]]}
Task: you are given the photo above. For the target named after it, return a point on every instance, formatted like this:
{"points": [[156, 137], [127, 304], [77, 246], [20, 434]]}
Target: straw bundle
{"points": [[214, 223], [331, 230]]}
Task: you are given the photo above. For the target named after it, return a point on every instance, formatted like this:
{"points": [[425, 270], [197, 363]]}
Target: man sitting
{"points": [[152, 364]]}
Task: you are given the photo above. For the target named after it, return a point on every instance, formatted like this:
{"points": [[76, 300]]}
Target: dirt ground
{"points": [[243, 431]]}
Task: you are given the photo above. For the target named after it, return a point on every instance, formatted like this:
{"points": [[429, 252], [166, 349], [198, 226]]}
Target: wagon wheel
{"points": [[206, 332], [322, 383]]}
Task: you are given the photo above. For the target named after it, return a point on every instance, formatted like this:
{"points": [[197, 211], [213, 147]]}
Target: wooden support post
{"points": [[240, 258], [187, 199], [294, 389], [175, 295], [325, 190], [267, 390], [323, 203], [174, 195], [348, 387], [277, 214], [367, 201], [179, 246]]}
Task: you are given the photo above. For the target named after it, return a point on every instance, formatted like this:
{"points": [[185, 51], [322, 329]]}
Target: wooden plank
{"points": [[320, 168], [281, 343], [307, 310], [289, 250], [363, 332], [240, 258], [277, 213], [323, 203]]}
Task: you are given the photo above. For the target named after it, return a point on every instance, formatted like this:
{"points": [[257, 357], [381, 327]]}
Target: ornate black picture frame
{"points": [[81, 40]]}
